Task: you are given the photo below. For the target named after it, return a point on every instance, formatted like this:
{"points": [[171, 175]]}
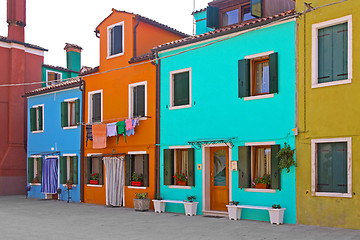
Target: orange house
{"points": [[123, 87]]}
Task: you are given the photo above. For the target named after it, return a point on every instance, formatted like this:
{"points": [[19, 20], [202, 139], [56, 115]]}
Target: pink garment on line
{"points": [[99, 136], [128, 124]]}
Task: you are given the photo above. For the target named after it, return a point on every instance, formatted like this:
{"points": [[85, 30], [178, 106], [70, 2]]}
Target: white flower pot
{"points": [[277, 216], [190, 208], [159, 206], [234, 212]]}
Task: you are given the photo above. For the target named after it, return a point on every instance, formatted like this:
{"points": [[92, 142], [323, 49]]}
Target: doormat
{"points": [[212, 216]]}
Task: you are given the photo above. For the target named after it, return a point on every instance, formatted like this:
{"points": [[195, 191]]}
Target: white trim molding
{"points": [[46, 76], [179, 187], [314, 142], [131, 98], [109, 40], [136, 152], [259, 143], [180, 147], [315, 48], [259, 55], [43, 118], [260, 190], [90, 104], [264, 96], [172, 73]]}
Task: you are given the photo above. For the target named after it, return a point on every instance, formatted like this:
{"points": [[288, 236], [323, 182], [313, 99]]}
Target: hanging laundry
{"points": [[99, 136], [89, 135], [120, 127], [132, 130], [136, 122], [129, 124], [111, 129]]}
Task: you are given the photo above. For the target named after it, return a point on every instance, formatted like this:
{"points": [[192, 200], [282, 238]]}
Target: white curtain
{"points": [[114, 170]]}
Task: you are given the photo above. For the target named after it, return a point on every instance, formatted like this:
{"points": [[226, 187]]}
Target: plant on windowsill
{"points": [[286, 158], [94, 178], [181, 179], [136, 179], [141, 202], [262, 182], [36, 179], [69, 184]]}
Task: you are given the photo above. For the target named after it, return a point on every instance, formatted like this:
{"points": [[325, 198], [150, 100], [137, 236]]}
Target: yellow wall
{"points": [[326, 112]]}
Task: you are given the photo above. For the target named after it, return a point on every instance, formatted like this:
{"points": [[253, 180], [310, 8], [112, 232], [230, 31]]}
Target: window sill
{"points": [[115, 55], [259, 97], [179, 107], [64, 185], [260, 190], [328, 194], [135, 187], [71, 127], [179, 187], [333, 83], [41, 131], [35, 184], [93, 185]]}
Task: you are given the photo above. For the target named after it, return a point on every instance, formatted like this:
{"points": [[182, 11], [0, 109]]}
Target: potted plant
{"points": [[94, 178], [276, 214], [180, 178], [36, 179], [262, 182], [69, 184], [141, 202], [137, 179], [233, 211], [158, 206], [190, 206], [286, 157]]}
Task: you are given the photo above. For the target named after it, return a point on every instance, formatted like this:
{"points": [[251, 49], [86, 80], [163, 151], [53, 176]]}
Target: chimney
{"points": [[73, 57], [16, 19]]}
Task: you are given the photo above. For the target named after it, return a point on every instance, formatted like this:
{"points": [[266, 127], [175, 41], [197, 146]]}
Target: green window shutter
{"points": [[64, 114], [75, 169], [256, 8], [275, 171], [181, 89], [244, 77], [87, 169], [340, 167], [30, 170], [146, 170], [40, 116], [273, 72], [40, 169], [212, 17], [168, 166], [127, 170], [340, 52], [101, 172], [244, 166], [77, 111], [191, 167], [63, 170], [325, 54], [96, 114], [33, 119]]}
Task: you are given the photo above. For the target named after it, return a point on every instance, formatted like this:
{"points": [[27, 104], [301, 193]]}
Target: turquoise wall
{"points": [[218, 112], [201, 25]]}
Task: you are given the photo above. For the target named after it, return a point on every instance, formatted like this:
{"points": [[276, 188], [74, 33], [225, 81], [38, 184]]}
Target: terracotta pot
{"points": [[94, 182], [262, 186], [135, 183], [181, 183]]}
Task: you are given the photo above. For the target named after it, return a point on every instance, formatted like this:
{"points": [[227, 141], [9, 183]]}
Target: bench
{"points": [[276, 215], [190, 207]]}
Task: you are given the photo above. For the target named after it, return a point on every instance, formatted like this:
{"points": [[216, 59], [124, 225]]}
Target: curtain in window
{"points": [[49, 183], [114, 169]]}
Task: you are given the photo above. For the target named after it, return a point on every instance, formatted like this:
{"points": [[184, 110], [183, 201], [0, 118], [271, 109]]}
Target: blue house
{"points": [[54, 116], [227, 105]]}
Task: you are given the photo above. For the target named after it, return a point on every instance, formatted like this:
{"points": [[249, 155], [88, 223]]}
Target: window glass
{"points": [[69, 168], [246, 14], [261, 77], [230, 17], [181, 89], [96, 107], [137, 164], [95, 165], [53, 78], [262, 161], [71, 113], [220, 168], [138, 107], [116, 40]]}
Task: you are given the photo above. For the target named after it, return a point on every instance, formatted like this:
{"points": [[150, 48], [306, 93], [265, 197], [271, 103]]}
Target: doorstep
{"points": [[211, 213]]}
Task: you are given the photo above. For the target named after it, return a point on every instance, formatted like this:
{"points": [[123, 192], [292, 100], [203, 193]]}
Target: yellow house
{"points": [[328, 113]]}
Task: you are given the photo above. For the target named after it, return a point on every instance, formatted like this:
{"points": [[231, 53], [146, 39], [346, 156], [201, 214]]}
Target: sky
{"points": [[52, 23]]}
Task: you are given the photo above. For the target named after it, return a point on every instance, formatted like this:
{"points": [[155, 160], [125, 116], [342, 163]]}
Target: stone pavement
{"points": [[22, 218]]}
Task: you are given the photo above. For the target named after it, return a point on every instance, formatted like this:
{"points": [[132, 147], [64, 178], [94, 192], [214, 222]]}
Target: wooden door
{"points": [[219, 178]]}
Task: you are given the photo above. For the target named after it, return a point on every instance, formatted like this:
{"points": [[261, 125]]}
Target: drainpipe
{"points": [[97, 33], [82, 89], [135, 27]]}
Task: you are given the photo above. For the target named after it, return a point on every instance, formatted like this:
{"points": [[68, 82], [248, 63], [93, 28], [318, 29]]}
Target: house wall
{"points": [[200, 18], [326, 112], [218, 112]]}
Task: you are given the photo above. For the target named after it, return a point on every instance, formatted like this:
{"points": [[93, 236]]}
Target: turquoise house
{"points": [[227, 105]]}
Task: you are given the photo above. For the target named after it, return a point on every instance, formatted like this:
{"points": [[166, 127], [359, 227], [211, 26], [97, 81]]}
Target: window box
{"points": [[262, 186], [136, 183], [94, 182]]}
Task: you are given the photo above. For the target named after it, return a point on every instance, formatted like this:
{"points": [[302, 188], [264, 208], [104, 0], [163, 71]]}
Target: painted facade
{"points": [[216, 117], [328, 143]]}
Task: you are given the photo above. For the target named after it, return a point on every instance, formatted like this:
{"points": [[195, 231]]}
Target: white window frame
{"points": [[180, 147], [36, 170], [46, 77], [131, 99], [68, 156], [315, 48], [43, 113], [90, 104], [109, 40], [69, 101], [314, 142], [172, 73]]}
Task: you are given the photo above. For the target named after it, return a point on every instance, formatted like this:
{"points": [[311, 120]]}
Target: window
{"points": [[34, 169], [70, 113], [69, 169], [331, 167], [258, 74], [180, 89], [179, 161], [115, 40], [138, 99], [332, 52], [234, 14], [52, 77], [95, 106], [94, 164], [37, 118], [137, 165], [261, 161]]}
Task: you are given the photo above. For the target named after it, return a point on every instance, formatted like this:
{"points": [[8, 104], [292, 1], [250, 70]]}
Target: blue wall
{"points": [[54, 137], [218, 112]]}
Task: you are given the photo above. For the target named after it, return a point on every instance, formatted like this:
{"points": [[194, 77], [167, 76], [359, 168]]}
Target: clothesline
{"points": [[112, 120]]}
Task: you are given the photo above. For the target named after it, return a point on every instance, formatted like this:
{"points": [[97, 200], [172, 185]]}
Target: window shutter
{"points": [[116, 37], [191, 167], [87, 169], [273, 72], [244, 77], [256, 8], [30, 170], [140, 100], [96, 107], [63, 170], [75, 169], [33, 119], [168, 166], [325, 54], [101, 172], [181, 88], [244, 166], [127, 170], [340, 52], [40, 116], [275, 171], [339, 162], [40, 169], [146, 170], [212, 17], [64, 114], [77, 111]]}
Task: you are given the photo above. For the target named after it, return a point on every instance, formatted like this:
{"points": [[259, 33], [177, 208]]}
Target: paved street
{"points": [[22, 218]]}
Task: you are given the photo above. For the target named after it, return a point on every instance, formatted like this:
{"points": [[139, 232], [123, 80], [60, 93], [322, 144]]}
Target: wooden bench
{"points": [[276, 215], [190, 207]]}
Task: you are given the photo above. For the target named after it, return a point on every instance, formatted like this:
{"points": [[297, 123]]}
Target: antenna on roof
{"points": [[193, 33]]}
